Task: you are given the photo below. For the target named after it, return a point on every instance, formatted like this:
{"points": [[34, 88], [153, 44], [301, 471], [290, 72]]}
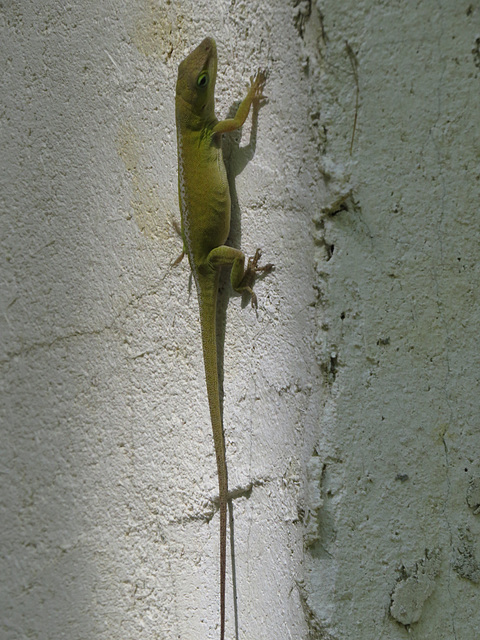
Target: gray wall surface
{"points": [[351, 409]]}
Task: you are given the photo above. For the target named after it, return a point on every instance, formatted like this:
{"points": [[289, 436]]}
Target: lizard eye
{"points": [[202, 79]]}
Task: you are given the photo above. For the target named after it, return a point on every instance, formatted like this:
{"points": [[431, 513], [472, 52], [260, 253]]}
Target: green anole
{"points": [[205, 210]]}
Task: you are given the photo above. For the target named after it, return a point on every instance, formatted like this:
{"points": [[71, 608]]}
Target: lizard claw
{"points": [[257, 84], [250, 271], [176, 262], [252, 264]]}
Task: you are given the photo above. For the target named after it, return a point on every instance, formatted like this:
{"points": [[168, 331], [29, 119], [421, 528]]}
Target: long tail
{"points": [[207, 295]]}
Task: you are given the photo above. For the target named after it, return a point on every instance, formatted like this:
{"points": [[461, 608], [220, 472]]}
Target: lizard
{"points": [[205, 208]]}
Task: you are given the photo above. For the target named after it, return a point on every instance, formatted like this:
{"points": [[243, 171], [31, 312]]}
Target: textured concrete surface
{"points": [[396, 550], [351, 398]]}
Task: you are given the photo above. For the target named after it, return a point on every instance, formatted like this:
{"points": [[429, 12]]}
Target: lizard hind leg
{"points": [[242, 281], [242, 278], [178, 231]]}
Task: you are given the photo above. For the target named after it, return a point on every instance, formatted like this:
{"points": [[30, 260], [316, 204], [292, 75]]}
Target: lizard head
{"points": [[196, 79]]}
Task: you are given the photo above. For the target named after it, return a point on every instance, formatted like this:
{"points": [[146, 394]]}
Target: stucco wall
{"points": [[350, 398], [399, 444]]}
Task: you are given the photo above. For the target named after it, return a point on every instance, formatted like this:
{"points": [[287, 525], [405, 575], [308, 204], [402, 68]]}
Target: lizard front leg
{"points": [[254, 95]]}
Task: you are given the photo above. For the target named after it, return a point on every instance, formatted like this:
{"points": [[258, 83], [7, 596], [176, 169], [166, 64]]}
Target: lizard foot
{"points": [[257, 85], [249, 276]]}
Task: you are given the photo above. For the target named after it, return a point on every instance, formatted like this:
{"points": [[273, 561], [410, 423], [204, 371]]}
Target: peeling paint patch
{"points": [[414, 587], [473, 495], [466, 564], [476, 52], [314, 499]]}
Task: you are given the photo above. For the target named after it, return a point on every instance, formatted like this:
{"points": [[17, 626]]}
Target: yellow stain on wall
{"points": [[145, 202], [160, 29]]}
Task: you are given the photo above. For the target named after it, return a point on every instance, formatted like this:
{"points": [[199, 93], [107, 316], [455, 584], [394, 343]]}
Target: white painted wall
{"points": [[351, 398]]}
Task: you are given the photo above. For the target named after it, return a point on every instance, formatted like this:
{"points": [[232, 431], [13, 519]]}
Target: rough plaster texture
{"points": [[397, 547], [351, 398]]}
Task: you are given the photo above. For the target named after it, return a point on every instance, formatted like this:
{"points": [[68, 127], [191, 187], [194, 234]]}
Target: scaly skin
{"points": [[205, 209]]}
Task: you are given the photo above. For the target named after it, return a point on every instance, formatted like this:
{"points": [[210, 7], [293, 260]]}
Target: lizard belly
{"points": [[205, 205]]}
